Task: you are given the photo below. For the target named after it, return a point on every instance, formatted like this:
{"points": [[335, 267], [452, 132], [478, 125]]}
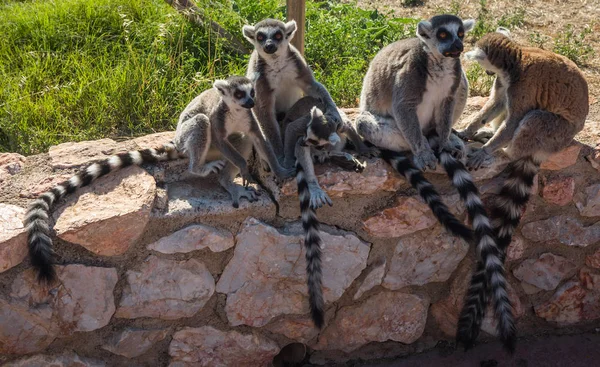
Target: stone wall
{"points": [[159, 269]]}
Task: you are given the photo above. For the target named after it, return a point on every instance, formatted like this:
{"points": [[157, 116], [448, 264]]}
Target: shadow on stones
{"points": [[292, 355]]}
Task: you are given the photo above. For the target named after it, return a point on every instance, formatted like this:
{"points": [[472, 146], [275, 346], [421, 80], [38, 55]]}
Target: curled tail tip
{"points": [[46, 274], [318, 317], [509, 340]]}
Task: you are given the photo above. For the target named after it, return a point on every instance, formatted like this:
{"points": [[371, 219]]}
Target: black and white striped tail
{"points": [[312, 243], [492, 274], [405, 167], [37, 217], [506, 215]]}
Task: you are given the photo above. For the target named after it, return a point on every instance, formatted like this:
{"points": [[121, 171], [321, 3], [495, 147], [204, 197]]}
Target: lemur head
{"points": [[496, 52], [270, 36], [320, 133], [236, 91], [443, 34]]}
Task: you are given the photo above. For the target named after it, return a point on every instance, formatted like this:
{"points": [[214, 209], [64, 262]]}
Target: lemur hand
{"points": [[425, 159], [479, 158]]}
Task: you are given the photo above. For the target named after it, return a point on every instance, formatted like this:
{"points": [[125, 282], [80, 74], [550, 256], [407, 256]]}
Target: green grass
{"points": [[76, 70], [574, 44]]}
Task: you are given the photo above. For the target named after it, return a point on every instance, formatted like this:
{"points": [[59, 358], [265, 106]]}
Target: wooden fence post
{"points": [[296, 10]]}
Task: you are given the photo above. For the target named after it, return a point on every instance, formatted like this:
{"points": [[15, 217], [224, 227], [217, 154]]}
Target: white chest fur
{"points": [[237, 120], [282, 78], [437, 88]]}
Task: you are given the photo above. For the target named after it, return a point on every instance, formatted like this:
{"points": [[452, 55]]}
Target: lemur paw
{"points": [[483, 135], [285, 173], [208, 168], [479, 158], [455, 148], [425, 159], [238, 192], [465, 135], [318, 197], [334, 117]]}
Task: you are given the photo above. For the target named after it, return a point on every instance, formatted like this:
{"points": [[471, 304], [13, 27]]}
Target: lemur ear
{"points": [[315, 112], [424, 29], [248, 32], [469, 24], [221, 86], [290, 29], [504, 31]]}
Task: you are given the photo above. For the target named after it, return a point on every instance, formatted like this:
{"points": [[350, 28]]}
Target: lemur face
{"points": [[319, 133], [236, 91], [444, 34], [270, 36]]}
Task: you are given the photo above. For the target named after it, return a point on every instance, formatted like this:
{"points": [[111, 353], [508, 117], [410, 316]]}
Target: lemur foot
{"points": [[208, 168], [479, 158], [318, 197], [238, 192], [425, 159], [455, 147], [483, 135]]}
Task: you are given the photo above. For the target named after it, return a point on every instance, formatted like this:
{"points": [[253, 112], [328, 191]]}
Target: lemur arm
{"points": [[265, 114], [407, 122], [265, 150], [230, 153], [315, 89], [318, 197], [293, 131], [444, 123], [494, 106]]}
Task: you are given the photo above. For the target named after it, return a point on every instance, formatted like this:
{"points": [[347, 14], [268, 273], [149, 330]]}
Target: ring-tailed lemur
{"points": [[544, 98], [415, 89], [281, 77], [197, 136]]}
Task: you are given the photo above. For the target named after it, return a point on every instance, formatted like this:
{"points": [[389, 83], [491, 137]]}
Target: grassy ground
{"points": [[75, 70]]}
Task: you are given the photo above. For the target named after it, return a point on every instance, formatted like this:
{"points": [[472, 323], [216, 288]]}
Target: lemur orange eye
{"points": [[260, 37], [278, 36], [461, 34], [442, 35]]}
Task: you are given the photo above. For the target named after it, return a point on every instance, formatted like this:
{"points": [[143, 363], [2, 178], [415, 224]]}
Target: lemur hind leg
{"points": [[380, 131], [194, 137], [244, 145]]}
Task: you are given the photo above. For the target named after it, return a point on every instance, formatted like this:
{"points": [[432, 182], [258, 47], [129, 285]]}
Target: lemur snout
{"points": [[270, 48], [249, 103]]}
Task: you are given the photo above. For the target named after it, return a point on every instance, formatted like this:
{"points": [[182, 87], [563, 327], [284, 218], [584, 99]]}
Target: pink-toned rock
{"points": [[67, 359], [13, 236], [155, 140], [35, 189], [10, 164], [118, 204], [68, 155], [375, 321], [166, 289], [575, 301], [446, 311], [559, 190], [133, 342], [546, 272], [566, 230], [374, 278], [194, 237], [267, 277], [408, 216], [207, 346], [424, 257], [516, 249], [593, 260], [594, 157], [337, 182], [588, 202], [33, 316], [530, 289], [300, 329], [563, 159]]}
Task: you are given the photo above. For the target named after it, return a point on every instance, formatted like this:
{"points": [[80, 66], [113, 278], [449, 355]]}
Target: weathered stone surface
{"points": [[563, 159], [516, 249], [10, 164], [33, 190], [566, 230], [13, 236], [546, 272], [530, 289], [133, 342], [300, 329], [374, 278], [194, 237], [154, 140], [82, 300], [559, 190], [67, 359], [594, 157], [375, 320], [266, 276], [207, 346], [427, 256], [337, 182], [118, 204], [593, 260], [408, 216], [575, 301], [166, 289], [446, 311], [588, 202], [68, 155]]}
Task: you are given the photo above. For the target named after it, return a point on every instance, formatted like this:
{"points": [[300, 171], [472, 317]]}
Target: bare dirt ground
{"points": [[549, 18]]}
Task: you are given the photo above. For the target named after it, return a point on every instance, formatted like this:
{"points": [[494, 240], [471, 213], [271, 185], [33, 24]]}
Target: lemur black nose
{"points": [[248, 104], [270, 48]]}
